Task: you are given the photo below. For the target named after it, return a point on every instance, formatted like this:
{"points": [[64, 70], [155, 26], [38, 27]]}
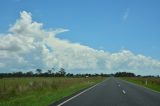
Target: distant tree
{"points": [[18, 74], [69, 75], [45, 74], [39, 71], [124, 74], [138, 75], [62, 72], [49, 71], [29, 73]]}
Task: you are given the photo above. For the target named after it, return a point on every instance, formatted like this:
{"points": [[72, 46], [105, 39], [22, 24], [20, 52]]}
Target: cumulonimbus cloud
{"points": [[28, 46]]}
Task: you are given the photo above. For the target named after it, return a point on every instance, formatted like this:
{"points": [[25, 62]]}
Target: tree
{"points": [[29, 73], [124, 74], [39, 71], [69, 75], [49, 71], [18, 74], [62, 72]]}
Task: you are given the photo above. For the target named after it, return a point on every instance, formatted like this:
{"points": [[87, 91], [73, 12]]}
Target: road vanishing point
{"points": [[113, 92]]}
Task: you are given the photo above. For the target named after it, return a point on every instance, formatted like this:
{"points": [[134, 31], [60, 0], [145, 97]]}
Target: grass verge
{"points": [[151, 83], [40, 91]]}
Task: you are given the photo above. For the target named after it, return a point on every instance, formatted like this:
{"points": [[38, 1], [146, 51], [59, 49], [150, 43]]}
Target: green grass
{"points": [[40, 91], [152, 83]]}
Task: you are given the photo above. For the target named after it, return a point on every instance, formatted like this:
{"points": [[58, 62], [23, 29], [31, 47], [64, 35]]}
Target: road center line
{"points": [[78, 94], [124, 92]]}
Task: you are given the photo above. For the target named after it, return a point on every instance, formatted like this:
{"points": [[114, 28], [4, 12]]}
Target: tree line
{"points": [[49, 73], [62, 73], [124, 74]]}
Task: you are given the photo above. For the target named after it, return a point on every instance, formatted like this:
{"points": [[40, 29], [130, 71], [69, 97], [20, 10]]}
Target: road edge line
{"points": [[140, 86], [79, 94]]}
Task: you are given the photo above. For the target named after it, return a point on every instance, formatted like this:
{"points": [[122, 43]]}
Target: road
{"points": [[114, 92]]}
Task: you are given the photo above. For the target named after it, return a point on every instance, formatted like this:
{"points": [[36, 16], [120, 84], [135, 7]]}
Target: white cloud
{"points": [[126, 14], [28, 46]]}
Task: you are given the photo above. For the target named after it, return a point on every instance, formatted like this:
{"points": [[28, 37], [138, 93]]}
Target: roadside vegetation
{"points": [[152, 82], [42, 89]]}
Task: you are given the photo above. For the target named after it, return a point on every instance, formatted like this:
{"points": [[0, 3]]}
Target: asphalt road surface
{"points": [[114, 92]]}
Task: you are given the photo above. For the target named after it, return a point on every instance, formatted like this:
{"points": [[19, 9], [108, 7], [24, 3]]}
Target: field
{"points": [[40, 91], [152, 83]]}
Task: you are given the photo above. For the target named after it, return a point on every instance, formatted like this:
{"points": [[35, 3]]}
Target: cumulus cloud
{"points": [[28, 46]]}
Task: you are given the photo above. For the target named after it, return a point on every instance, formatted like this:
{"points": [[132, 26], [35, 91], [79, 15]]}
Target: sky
{"points": [[83, 36]]}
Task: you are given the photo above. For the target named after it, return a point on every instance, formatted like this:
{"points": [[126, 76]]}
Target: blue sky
{"points": [[111, 25], [96, 23]]}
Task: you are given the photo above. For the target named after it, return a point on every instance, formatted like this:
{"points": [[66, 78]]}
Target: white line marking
{"points": [[140, 86], [78, 94], [124, 92]]}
